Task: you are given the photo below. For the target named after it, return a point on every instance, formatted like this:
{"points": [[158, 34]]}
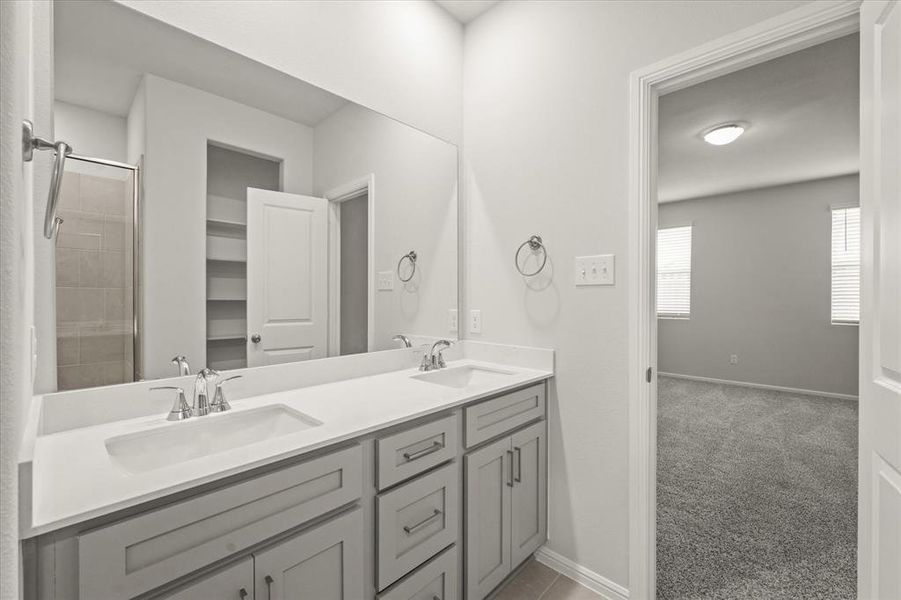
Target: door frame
{"points": [[789, 32], [335, 196]]}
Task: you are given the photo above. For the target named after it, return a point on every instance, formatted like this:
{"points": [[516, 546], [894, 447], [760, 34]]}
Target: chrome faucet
{"points": [[433, 359], [181, 363], [402, 338], [202, 385]]}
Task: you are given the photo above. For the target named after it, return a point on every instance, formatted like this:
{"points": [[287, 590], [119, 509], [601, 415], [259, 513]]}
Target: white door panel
{"points": [[879, 552], [287, 280]]}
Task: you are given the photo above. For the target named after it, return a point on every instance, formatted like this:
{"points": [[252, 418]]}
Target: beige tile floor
{"points": [[538, 582]]}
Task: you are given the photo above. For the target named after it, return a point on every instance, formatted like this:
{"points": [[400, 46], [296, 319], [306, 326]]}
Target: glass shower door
{"points": [[95, 257]]}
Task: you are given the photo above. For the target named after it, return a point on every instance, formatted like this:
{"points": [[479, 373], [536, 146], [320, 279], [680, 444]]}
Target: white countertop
{"points": [[74, 479]]}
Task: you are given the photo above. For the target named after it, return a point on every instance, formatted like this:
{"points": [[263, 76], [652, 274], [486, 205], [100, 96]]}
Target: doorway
{"points": [[351, 248], [780, 36]]}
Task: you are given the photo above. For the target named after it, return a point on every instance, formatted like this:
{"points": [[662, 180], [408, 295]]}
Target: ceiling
{"points": [[466, 10], [803, 114], [102, 49]]}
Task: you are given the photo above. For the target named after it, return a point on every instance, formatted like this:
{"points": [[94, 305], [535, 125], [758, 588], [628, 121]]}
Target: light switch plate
{"points": [[595, 270], [385, 281], [475, 321], [452, 319]]}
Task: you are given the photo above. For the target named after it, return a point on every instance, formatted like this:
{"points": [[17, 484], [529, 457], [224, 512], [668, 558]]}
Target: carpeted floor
{"points": [[756, 494]]}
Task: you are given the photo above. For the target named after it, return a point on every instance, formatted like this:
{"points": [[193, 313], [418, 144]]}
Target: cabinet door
{"points": [[489, 480], [528, 513], [325, 563], [233, 583]]}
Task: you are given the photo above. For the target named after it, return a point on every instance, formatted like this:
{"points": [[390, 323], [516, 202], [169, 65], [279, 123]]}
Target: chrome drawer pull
{"points": [[411, 529], [518, 478], [435, 447]]}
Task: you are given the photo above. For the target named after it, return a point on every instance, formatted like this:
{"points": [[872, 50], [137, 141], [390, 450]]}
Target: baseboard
{"points": [[762, 386], [596, 583]]}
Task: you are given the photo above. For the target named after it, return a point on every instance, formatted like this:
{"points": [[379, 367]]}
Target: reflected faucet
{"points": [[181, 363], [402, 338]]}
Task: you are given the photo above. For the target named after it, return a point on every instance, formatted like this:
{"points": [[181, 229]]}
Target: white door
{"points": [[287, 277], [879, 531]]}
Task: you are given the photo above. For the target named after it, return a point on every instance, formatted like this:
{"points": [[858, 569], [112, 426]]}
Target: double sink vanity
{"points": [[381, 481]]}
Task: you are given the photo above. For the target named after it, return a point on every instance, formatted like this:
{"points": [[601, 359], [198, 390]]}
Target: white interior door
{"points": [[879, 552], [287, 277]]}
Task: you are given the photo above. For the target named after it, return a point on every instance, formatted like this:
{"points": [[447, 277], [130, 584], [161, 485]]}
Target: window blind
{"points": [[846, 265], [674, 272]]}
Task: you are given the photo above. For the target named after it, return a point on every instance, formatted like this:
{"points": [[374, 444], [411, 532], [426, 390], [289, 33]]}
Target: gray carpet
{"points": [[756, 494]]}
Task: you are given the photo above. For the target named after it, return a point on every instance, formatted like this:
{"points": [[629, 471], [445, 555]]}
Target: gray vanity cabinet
{"points": [[506, 507], [325, 563]]}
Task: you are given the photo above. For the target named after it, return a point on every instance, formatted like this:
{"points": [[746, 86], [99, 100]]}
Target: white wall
{"points": [[761, 289], [180, 120], [546, 151], [25, 71], [90, 132], [415, 209], [400, 58]]}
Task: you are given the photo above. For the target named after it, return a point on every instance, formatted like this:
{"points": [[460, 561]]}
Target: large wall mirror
{"points": [[219, 210]]}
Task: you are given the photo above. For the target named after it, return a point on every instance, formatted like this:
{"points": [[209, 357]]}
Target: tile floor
{"points": [[538, 582]]}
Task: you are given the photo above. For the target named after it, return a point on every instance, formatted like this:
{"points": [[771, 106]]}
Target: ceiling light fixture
{"points": [[724, 134]]}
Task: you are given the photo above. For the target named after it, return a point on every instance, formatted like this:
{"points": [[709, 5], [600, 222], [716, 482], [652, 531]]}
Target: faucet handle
{"points": [[220, 403], [181, 410]]}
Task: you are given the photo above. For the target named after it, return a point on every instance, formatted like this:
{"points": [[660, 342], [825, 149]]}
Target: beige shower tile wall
{"points": [[94, 282]]}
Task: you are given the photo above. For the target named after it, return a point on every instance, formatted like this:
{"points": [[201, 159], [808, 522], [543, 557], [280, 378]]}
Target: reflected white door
{"points": [[879, 552], [287, 277]]}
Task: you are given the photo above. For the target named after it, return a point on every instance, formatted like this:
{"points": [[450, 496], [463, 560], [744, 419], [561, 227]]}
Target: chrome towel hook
{"points": [[535, 243], [30, 143], [411, 256]]}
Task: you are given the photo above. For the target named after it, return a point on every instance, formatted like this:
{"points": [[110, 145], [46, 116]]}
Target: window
{"points": [[846, 265], [674, 272]]}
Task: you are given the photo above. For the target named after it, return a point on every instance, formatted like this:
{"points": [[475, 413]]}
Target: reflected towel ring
{"points": [[535, 243], [411, 256]]}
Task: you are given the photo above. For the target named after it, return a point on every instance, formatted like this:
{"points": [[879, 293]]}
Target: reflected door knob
{"points": [[255, 338]]}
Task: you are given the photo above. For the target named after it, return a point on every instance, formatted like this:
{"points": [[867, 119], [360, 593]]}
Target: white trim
{"points": [[596, 583], [761, 386], [336, 196], [808, 25]]}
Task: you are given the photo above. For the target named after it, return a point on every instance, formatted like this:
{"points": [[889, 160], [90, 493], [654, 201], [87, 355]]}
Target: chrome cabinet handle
{"points": [[256, 338], [435, 447], [269, 581], [510, 460], [242, 593], [411, 529], [518, 478]]}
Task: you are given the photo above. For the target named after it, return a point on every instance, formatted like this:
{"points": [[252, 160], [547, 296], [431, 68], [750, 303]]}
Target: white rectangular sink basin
{"points": [[464, 377], [202, 436]]}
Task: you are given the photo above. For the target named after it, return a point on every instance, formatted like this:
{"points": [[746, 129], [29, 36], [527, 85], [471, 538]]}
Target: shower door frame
{"points": [[137, 358], [800, 28]]}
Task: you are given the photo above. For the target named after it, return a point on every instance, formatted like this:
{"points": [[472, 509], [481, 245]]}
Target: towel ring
{"points": [[535, 243], [411, 256]]}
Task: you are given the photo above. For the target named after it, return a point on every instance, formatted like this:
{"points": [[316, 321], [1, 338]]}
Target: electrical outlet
{"points": [[733, 359], [475, 321], [452, 319], [594, 270], [386, 281]]}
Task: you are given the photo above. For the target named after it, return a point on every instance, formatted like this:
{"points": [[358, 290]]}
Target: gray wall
{"points": [[760, 288]]}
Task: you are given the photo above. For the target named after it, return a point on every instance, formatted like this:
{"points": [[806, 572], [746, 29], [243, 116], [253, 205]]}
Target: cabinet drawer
{"points": [[415, 521], [410, 452], [139, 554], [499, 415], [435, 580]]}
